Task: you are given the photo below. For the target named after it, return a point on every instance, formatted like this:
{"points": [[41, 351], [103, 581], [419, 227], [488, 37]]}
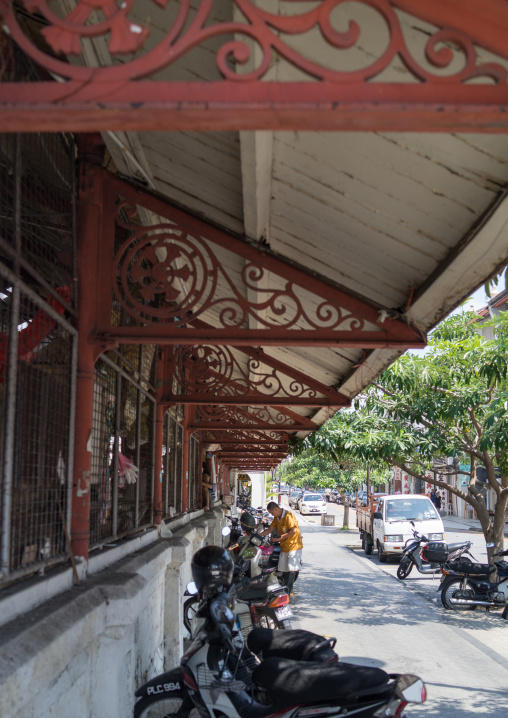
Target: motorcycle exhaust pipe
{"points": [[465, 602]]}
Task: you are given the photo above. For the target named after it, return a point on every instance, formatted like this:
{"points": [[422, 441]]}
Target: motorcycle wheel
{"points": [[448, 592], [161, 707], [405, 568], [190, 608]]}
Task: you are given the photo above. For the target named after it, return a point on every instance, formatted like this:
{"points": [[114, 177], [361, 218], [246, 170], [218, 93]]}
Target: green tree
{"points": [[452, 401], [310, 469]]}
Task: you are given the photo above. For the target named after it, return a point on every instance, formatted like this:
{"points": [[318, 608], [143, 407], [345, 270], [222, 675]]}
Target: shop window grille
{"points": [[179, 467], [171, 465], [37, 211], [194, 473], [122, 447], [36, 390]]}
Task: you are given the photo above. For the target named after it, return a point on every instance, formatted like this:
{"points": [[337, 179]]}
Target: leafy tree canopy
{"points": [[450, 401]]}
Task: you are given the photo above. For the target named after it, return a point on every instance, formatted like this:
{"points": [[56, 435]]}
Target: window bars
{"points": [[38, 348], [37, 370], [123, 443]]}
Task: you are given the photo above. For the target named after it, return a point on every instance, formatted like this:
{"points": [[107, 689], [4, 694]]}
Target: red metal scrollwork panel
{"points": [[188, 27], [237, 416], [218, 437], [215, 371], [165, 274]]}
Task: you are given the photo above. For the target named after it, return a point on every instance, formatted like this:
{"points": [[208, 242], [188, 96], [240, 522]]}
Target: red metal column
{"points": [[185, 461], [159, 431], [89, 224]]}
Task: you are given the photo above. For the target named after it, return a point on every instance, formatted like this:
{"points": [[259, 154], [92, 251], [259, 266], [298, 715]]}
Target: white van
{"points": [[391, 522]]}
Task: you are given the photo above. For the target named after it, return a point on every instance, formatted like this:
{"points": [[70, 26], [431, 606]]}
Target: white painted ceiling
{"points": [[391, 217]]}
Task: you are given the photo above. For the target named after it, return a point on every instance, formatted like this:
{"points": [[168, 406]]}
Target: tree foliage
{"points": [[451, 401]]}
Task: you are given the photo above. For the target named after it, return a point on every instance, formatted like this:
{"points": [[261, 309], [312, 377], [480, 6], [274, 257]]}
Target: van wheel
{"points": [[382, 556]]}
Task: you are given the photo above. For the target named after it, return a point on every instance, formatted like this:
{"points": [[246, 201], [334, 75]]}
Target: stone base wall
{"points": [[85, 651]]}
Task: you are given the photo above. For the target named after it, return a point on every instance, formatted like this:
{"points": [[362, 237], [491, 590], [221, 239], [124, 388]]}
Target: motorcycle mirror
{"points": [[226, 531], [192, 589], [412, 523], [411, 689]]}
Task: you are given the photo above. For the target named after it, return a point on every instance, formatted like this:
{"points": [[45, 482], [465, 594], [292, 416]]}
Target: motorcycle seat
{"points": [[469, 568], [297, 644], [289, 682], [258, 590]]}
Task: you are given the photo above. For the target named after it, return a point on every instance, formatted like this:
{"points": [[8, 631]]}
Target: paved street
{"points": [[399, 625]]}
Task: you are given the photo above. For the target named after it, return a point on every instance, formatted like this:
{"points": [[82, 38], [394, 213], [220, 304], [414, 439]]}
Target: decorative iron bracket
{"points": [[118, 96], [165, 277], [206, 374]]}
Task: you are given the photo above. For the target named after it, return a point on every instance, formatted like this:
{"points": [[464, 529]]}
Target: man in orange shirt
{"points": [[285, 524]]}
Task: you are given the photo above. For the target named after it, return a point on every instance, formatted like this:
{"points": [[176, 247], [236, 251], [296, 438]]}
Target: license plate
{"points": [[283, 612]]}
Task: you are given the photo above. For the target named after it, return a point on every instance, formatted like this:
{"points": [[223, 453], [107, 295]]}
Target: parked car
{"points": [[312, 504], [293, 499]]}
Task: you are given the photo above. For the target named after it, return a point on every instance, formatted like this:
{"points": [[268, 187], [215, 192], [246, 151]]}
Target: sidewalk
{"points": [[379, 621], [454, 523]]}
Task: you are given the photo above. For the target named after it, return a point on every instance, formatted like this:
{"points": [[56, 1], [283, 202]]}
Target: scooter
{"points": [[465, 585], [260, 599], [219, 674], [429, 556]]}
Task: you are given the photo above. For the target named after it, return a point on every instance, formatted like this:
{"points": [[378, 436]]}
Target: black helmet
{"points": [[212, 566], [247, 521]]}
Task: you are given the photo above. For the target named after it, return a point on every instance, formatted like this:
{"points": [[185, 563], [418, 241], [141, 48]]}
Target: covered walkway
{"points": [[219, 221]]}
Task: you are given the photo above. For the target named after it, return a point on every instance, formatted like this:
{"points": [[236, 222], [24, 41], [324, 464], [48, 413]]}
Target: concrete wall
{"points": [[84, 652]]}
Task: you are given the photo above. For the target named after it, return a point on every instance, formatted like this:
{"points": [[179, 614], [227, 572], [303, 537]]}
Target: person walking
{"points": [[290, 560], [207, 488], [436, 499]]}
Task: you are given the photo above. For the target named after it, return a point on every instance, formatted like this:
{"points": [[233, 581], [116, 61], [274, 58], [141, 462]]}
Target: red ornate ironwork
{"points": [[164, 273], [209, 417], [259, 27], [435, 96], [235, 434], [252, 416], [207, 374], [167, 276]]}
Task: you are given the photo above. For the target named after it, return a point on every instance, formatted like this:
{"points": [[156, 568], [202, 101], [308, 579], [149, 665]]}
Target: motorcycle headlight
{"points": [[395, 537], [256, 540], [436, 537]]}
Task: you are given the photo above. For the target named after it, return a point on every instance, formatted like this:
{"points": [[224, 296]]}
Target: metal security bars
{"points": [[121, 483], [172, 448], [194, 472], [38, 346], [37, 358]]}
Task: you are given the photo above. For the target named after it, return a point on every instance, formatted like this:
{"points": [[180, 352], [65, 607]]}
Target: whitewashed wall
{"points": [[84, 652]]}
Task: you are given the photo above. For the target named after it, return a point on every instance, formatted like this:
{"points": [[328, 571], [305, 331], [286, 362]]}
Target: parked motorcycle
{"points": [[260, 599], [221, 674], [466, 585], [429, 556]]}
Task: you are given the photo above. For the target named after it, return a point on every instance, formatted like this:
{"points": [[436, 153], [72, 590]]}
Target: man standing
{"points": [[207, 488], [285, 524]]}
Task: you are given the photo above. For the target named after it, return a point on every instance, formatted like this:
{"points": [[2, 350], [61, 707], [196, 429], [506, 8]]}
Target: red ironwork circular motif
{"points": [[162, 277], [205, 368]]}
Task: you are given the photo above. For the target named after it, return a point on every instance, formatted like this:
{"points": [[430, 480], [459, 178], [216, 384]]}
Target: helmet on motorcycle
{"points": [[247, 521], [212, 566]]}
